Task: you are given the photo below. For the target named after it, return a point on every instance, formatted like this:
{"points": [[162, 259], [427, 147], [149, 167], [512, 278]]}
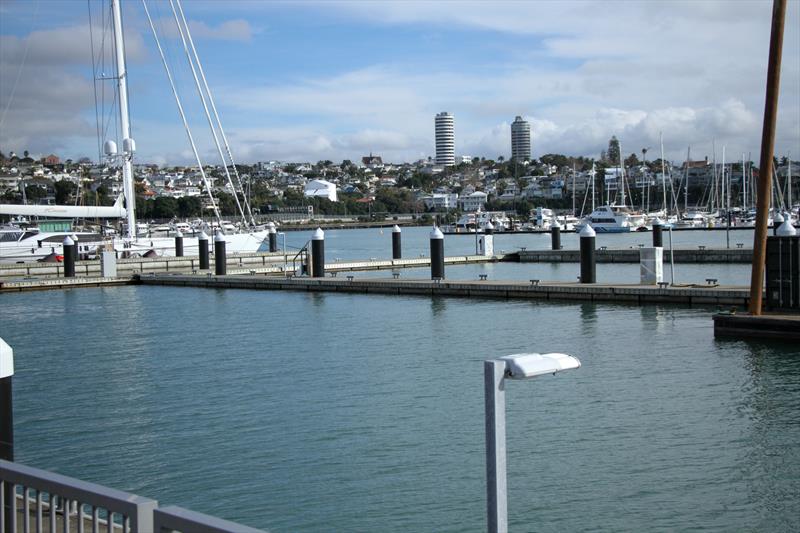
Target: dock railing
{"points": [[38, 500]]}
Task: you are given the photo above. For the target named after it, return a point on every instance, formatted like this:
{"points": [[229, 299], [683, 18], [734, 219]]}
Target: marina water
{"points": [[344, 412]]}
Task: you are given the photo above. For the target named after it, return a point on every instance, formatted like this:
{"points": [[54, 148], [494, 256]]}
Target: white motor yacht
{"points": [[613, 219]]}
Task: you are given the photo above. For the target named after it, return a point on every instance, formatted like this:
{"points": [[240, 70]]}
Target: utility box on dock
{"points": [[783, 273], [651, 265], [108, 264]]}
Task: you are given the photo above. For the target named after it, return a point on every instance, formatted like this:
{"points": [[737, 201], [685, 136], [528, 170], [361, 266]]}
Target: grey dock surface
{"points": [[636, 294], [766, 326], [631, 255], [262, 262], [26, 285]]}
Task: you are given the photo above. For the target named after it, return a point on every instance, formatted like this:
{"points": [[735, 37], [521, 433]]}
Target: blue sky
{"points": [[338, 80]]}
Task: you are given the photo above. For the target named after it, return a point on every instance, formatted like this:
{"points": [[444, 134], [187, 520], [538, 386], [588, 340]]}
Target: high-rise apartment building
{"points": [[520, 140], [445, 139]]}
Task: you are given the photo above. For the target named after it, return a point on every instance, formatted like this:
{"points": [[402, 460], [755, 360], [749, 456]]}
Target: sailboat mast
{"points": [[127, 141], [663, 176], [622, 173], [744, 185], [789, 185], [573, 189], [686, 185]]}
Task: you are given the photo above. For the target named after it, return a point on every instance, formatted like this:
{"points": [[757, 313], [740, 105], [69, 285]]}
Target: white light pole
{"points": [[495, 372]]}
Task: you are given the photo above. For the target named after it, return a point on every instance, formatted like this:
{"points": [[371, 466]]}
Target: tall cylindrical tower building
{"points": [[520, 140], [445, 139]]}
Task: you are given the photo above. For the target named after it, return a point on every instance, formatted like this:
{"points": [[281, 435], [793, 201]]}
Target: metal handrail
{"points": [[136, 511], [302, 254]]}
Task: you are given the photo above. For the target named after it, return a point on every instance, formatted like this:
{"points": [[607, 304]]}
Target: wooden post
{"points": [[767, 149]]}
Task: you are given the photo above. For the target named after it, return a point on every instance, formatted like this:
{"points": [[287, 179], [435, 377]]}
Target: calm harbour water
{"points": [[342, 412]]}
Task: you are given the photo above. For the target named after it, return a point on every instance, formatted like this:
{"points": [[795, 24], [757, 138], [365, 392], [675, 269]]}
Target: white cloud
{"points": [[229, 30], [692, 70]]}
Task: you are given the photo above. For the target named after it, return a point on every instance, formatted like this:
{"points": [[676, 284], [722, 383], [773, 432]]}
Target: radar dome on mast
{"points": [[110, 148]]}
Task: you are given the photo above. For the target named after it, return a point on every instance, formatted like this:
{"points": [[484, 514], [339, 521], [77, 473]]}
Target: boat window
{"points": [[10, 236]]}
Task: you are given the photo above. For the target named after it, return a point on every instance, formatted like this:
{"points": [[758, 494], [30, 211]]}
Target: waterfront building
{"points": [[520, 140], [473, 201], [445, 139], [320, 189], [441, 201]]}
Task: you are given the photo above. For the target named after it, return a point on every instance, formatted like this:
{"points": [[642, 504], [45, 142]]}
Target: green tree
{"points": [[64, 189], [189, 206], [165, 207], [613, 150], [631, 161]]}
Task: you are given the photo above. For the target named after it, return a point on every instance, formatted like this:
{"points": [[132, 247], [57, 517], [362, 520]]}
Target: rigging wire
{"points": [[205, 108], [183, 115], [94, 83], [216, 116], [21, 66]]}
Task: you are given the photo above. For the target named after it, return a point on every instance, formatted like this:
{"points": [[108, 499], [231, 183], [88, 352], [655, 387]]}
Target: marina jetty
{"points": [[482, 288], [700, 254], [258, 263], [277, 262]]}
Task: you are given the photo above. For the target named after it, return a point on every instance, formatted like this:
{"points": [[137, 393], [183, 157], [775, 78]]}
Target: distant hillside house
{"points": [[320, 189], [372, 161], [473, 201], [51, 160]]}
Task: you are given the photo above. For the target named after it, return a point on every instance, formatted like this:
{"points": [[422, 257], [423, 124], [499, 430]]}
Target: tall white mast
{"points": [[744, 185], [622, 173], [573, 189], [789, 185], [128, 146], [723, 196], [663, 176]]}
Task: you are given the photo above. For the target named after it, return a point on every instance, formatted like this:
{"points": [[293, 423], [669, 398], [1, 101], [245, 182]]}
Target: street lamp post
{"points": [[495, 372]]}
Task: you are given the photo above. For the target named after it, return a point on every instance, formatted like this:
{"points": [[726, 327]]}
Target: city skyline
{"points": [[331, 80]]}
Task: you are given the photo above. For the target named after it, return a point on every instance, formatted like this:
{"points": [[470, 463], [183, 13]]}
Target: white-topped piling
{"points": [[555, 235], [397, 249], [220, 260], [486, 242], [588, 260], [318, 254], [70, 253], [179, 244], [786, 229], [437, 253], [273, 237], [777, 220], [202, 244], [658, 235]]}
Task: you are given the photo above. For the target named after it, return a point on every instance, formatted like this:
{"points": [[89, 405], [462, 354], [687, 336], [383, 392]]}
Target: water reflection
{"points": [[771, 402], [438, 306], [589, 317]]}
